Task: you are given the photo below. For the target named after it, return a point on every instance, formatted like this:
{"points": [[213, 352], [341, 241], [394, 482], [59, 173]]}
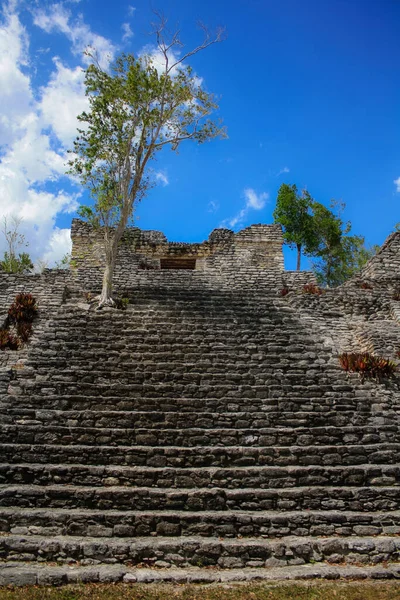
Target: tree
{"points": [[64, 262], [140, 107], [293, 212], [337, 255], [13, 263]]}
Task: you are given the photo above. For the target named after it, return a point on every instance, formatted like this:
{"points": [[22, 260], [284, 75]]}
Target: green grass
{"points": [[283, 591]]}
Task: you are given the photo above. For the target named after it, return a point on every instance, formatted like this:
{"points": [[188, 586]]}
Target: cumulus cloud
{"points": [[58, 245], [15, 90], [58, 19], [397, 184], [253, 201], [36, 128], [64, 95]]}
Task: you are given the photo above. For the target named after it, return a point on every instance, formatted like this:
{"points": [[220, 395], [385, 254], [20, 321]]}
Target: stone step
{"points": [[170, 433], [37, 487], [199, 551], [119, 442], [207, 456], [264, 477], [161, 419], [22, 405], [28, 574], [53, 521]]}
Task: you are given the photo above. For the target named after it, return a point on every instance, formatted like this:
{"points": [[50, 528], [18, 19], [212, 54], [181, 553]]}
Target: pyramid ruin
{"points": [[207, 432]]}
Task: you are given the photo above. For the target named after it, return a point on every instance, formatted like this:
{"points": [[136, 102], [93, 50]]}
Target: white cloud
{"points": [[58, 19], [31, 156], [63, 99], [397, 184], [15, 91], [128, 33], [58, 246], [131, 10], [253, 201], [283, 171], [156, 58], [162, 178]]}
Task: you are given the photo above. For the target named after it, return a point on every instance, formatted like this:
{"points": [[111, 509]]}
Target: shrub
{"points": [[367, 365], [121, 303], [396, 295], [312, 288], [24, 308], [7, 340], [284, 291], [364, 285]]}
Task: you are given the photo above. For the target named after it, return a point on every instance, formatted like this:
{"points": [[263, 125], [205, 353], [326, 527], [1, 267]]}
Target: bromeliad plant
{"points": [[367, 365], [18, 326], [23, 309], [312, 288], [8, 340], [364, 285]]}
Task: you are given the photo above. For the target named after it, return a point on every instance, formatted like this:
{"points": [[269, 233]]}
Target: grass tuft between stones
{"points": [[270, 591]]}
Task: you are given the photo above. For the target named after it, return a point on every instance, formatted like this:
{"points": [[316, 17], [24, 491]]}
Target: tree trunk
{"points": [[298, 256], [328, 272], [106, 291]]}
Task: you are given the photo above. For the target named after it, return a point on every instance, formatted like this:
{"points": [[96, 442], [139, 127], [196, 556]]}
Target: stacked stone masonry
{"points": [[207, 432]]}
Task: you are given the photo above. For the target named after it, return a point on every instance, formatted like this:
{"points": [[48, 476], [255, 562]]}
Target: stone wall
{"points": [[385, 265], [253, 256]]}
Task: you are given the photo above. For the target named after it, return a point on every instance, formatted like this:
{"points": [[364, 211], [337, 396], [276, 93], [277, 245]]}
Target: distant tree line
{"points": [[15, 261], [321, 234]]}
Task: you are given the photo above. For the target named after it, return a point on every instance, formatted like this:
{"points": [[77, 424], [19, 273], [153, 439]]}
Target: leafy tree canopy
{"points": [[141, 106], [293, 212]]}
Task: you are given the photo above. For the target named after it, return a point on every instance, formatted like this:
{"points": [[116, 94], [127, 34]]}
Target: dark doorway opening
{"points": [[178, 263]]}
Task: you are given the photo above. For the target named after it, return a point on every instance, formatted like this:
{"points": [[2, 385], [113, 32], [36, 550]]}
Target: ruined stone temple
{"points": [[207, 432]]}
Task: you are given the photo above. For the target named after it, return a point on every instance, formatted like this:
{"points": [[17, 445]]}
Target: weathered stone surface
{"points": [[208, 425]]}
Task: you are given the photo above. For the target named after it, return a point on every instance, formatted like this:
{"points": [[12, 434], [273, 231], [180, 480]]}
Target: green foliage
{"points": [[367, 365], [16, 264], [122, 303], [293, 212], [23, 309], [344, 260], [13, 262], [135, 110], [337, 256], [321, 233], [64, 262]]}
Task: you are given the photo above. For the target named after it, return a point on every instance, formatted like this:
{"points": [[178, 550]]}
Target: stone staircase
{"points": [[203, 434]]}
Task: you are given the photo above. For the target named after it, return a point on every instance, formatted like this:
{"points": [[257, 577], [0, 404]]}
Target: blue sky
{"points": [[309, 92]]}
